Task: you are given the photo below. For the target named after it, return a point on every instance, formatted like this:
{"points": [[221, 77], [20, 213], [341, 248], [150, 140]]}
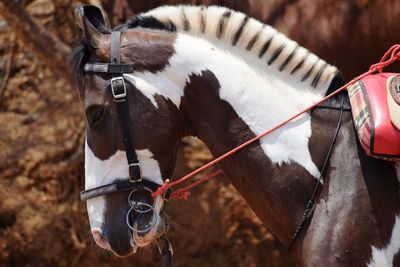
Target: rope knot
{"points": [[392, 55], [161, 189]]}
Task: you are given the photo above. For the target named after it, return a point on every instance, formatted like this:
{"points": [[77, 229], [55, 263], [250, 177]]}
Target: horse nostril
{"points": [[99, 239]]}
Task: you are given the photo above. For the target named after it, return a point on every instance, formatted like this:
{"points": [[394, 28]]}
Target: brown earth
{"points": [[42, 221]]}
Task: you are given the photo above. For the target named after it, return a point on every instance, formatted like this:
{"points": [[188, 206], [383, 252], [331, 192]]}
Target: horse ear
{"points": [[91, 22]]}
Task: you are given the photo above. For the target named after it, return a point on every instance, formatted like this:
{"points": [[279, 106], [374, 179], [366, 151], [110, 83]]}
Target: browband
{"points": [[113, 68]]}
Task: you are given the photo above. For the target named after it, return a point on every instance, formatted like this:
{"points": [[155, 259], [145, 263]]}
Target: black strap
{"points": [[109, 68], [119, 92], [120, 68]]}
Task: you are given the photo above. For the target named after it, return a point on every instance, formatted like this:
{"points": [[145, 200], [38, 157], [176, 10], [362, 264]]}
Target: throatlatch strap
{"points": [[120, 97]]}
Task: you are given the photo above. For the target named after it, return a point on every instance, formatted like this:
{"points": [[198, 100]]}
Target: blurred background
{"points": [[42, 221]]}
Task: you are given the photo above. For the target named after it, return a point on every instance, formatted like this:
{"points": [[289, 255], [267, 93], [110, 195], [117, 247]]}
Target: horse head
{"points": [[122, 213]]}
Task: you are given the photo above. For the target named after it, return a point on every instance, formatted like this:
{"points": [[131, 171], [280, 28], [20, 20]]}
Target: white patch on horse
{"points": [[262, 97], [168, 83], [101, 172], [147, 89], [385, 256]]}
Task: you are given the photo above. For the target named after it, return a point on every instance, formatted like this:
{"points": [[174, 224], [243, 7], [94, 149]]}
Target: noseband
{"points": [[135, 182]]}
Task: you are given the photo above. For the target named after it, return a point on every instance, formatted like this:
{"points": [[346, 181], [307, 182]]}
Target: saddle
{"points": [[375, 104], [393, 99]]}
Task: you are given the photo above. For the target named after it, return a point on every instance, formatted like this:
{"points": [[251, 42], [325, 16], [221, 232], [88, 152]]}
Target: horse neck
{"points": [[226, 102]]}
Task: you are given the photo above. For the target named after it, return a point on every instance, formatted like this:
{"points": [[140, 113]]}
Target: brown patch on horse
{"points": [[149, 50], [261, 182], [335, 229], [163, 122], [323, 125], [356, 187], [382, 198]]}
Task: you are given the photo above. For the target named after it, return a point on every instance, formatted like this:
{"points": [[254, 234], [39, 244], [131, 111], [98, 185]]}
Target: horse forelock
{"points": [[80, 56], [240, 33]]}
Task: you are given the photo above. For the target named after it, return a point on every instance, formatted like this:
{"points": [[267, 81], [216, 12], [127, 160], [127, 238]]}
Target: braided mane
{"points": [[220, 24]]}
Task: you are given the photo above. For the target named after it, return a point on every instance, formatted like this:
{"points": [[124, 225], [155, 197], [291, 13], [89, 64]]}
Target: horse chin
{"points": [[142, 240], [133, 251]]}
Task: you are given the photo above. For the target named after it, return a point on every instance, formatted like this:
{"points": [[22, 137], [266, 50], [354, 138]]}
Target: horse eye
{"points": [[94, 114]]}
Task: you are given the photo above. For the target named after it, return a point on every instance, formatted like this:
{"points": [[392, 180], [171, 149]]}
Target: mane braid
{"points": [[265, 47], [186, 23], [239, 30], [305, 77], [288, 59], [253, 40], [300, 64], [318, 76], [202, 20], [222, 22], [276, 54]]}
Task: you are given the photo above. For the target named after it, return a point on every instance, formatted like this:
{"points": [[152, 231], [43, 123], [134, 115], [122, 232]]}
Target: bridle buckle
{"points": [[118, 88], [135, 175]]}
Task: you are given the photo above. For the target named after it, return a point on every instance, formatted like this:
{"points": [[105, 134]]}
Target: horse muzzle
{"points": [[145, 223]]}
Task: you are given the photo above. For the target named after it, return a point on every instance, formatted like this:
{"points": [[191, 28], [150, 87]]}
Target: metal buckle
{"points": [[114, 81], [140, 170]]}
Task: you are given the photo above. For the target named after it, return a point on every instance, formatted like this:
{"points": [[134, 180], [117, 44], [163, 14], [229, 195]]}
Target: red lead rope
{"points": [[183, 193]]}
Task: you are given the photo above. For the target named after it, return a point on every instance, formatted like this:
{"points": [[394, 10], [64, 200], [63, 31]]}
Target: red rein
{"points": [[184, 193]]}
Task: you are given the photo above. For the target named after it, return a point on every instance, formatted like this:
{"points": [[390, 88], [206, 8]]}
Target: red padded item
{"points": [[385, 138]]}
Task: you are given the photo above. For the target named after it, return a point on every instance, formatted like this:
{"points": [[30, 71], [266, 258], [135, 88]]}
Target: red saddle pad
{"points": [[371, 117]]}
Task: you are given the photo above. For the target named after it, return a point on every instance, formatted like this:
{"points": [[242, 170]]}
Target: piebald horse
{"points": [[224, 77]]}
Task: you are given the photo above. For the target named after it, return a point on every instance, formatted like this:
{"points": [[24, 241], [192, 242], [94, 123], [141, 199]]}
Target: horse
{"points": [[221, 76]]}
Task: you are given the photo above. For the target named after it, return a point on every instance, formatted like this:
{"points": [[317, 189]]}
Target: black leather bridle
{"points": [[135, 181]]}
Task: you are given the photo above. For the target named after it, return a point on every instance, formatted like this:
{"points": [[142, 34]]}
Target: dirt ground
{"points": [[42, 221]]}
